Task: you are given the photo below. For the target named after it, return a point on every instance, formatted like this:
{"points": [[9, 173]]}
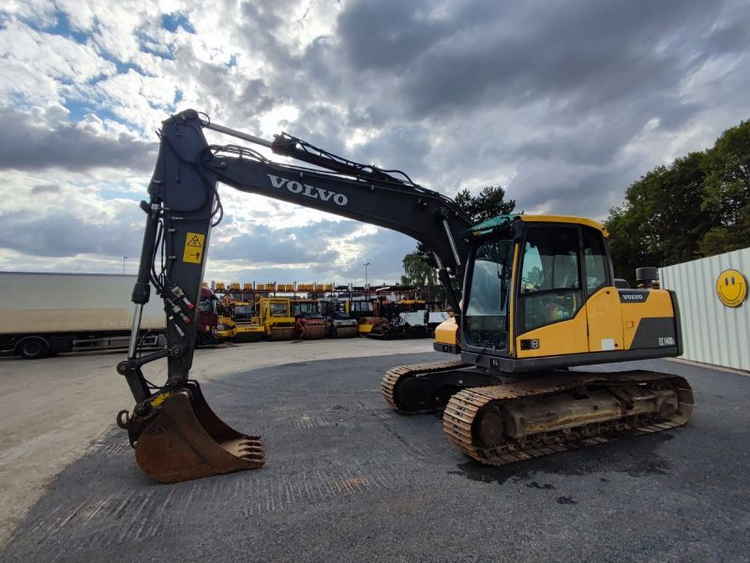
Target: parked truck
{"points": [[207, 320], [44, 314]]}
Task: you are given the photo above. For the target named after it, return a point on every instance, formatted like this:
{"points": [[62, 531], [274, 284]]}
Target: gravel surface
{"points": [[348, 480]]}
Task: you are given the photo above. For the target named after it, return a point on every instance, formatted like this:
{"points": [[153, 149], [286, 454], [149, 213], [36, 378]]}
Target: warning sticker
{"points": [[193, 248]]}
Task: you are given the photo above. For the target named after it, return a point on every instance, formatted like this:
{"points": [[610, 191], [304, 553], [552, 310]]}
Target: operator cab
{"points": [[276, 307], [244, 311], [305, 309], [526, 273]]}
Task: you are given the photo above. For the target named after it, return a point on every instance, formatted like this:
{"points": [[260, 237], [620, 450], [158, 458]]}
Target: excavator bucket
{"points": [[186, 440]]}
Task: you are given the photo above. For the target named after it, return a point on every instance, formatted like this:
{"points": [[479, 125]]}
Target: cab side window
{"points": [[550, 277], [595, 260]]}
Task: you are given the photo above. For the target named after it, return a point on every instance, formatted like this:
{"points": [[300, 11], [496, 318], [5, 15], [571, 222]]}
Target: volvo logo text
{"points": [[307, 190]]}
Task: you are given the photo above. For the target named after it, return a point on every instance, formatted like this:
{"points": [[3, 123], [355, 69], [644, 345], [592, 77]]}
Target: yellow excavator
{"points": [[539, 298]]}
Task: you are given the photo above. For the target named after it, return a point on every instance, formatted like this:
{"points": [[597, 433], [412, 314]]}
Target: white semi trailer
{"points": [[43, 314]]}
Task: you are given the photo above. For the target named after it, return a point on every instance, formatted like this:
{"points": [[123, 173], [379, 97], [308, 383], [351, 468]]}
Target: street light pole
{"points": [[123, 264], [366, 288]]}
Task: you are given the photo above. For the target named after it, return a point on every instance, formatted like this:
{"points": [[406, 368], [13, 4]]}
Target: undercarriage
{"points": [[497, 421]]}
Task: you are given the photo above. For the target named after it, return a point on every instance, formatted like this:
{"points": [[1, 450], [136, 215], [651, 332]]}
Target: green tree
{"points": [[488, 204], [533, 277], [661, 221], [698, 206], [420, 274], [727, 195], [625, 241]]}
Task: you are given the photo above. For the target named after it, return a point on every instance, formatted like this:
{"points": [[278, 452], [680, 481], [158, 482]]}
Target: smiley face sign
{"points": [[731, 287]]}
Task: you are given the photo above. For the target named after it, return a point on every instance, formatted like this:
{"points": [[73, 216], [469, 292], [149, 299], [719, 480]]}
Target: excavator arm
{"points": [[183, 206]]}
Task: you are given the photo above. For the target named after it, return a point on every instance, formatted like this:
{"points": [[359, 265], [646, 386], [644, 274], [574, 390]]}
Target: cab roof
{"points": [[486, 226]]}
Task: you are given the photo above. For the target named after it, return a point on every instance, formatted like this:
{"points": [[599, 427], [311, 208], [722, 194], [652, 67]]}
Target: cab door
{"points": [[551, 315], [603, 311]]}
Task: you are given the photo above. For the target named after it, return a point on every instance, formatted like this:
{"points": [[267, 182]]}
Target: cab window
{"points": [[486, 320], [595, 261], [550, 287], [207, 306], [279, 310]]}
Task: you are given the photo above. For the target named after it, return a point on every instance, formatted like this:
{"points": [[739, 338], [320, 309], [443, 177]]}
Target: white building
{"points": [[714, 332]]}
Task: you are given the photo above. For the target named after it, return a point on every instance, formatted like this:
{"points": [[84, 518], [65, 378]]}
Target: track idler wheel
{"points": [[185, 440]]}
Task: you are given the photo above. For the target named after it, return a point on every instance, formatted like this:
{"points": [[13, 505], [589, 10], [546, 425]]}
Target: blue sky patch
{"points": [[172, 22], [78, 110], [62, 27]]}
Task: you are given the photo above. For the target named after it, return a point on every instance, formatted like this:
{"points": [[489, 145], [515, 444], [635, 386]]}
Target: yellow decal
{"points": [[731, 287], [193, 248], [160, 398]]}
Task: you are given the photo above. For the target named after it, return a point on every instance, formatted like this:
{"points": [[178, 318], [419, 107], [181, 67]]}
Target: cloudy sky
{"points": [[564, 104]]}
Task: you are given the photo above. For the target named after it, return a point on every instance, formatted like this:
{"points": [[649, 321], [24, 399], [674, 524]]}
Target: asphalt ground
{"points": [[52, 410], [346, 479]]}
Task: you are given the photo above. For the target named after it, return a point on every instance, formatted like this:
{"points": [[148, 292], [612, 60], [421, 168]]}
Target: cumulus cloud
{"points": [[33, 141], [564, 105], [266, 247]]}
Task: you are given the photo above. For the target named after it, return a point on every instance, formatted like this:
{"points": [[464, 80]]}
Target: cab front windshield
{"points": [[207, 305], [486, 323], [243, 312], [361, 306], [278, 309], [303, 308]]}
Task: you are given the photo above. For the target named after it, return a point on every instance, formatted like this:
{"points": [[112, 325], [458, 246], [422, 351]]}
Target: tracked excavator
{"points": [[538, 299]]}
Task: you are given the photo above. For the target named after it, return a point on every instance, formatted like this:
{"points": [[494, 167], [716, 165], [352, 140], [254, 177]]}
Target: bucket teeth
{"points": [[255, 453], [252, 441], [252, 449]]}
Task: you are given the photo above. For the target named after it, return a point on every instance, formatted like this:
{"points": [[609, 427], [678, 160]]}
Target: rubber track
{"points": [[395, 374], [463, 408]]}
